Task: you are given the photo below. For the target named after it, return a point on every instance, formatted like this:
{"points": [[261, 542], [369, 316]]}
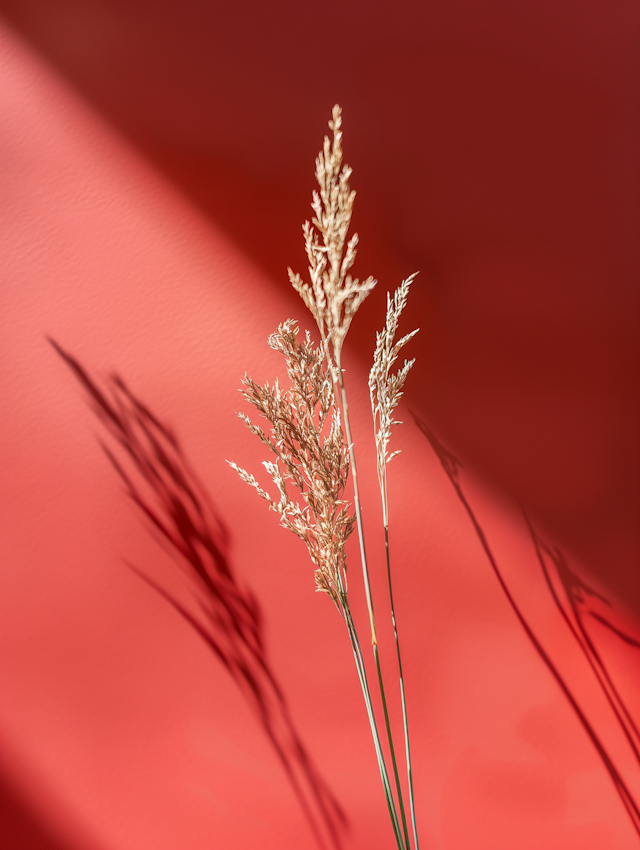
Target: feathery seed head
{"points": [[385, 389], [333, 297], [311, 456]]}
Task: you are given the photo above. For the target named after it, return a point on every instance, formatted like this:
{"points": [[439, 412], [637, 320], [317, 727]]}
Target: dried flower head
{"points": [[311, 454], [385, 389], [333, 296]]}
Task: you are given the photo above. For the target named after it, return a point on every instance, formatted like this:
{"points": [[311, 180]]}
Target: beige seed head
{"points": [[385, 389], [311, 456], [333, 296]]}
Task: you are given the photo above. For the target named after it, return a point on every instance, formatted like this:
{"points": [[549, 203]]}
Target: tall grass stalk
{"points": [[385, 391], [405, 720], [369, 598], [307, 438], [362, 675]]}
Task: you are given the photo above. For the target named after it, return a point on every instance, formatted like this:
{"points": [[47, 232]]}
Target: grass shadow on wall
{"points": [[575, 591], [226, 615], [574, 599]]}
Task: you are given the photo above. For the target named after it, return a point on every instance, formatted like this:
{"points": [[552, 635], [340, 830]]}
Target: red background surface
{"points": [[157, 163]]}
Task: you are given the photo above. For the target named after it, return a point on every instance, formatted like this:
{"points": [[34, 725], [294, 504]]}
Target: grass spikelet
{"points": [[334, 296], [385, 389], [311, 456]]}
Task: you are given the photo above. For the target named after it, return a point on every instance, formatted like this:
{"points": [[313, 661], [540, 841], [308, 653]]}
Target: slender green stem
{"points": [[362, 675], [367, 587], [405, 721], [390, 737], [356, 497]]}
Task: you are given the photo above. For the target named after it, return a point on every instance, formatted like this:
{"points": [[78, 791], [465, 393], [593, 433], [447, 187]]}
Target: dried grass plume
{"points": [[333, 297], [385, 389], [311, 455]]}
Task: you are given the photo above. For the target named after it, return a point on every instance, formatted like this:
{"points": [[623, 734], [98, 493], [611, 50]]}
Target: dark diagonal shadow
{"points": [[622, 635], [159, 479], [577, 598], [452, 466], [21, 825]]}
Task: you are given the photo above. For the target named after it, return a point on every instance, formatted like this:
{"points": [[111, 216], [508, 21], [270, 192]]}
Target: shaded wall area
{"points": [[497, 159], [20, 828], [495, 149]]}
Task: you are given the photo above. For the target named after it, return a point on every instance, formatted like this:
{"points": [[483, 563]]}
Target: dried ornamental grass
{"points": [[313, 456], [333, 298], [385, 389]]}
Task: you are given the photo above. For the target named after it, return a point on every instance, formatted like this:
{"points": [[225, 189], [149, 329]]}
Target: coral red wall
{"points": [[494, 149]]}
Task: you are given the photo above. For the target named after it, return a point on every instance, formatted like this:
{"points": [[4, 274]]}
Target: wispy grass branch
{"points": [[385, 390], [312, 458], [307, 423]]}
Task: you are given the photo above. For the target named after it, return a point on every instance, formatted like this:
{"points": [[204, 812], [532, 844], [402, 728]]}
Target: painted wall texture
{"points": [[156, 167]]}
